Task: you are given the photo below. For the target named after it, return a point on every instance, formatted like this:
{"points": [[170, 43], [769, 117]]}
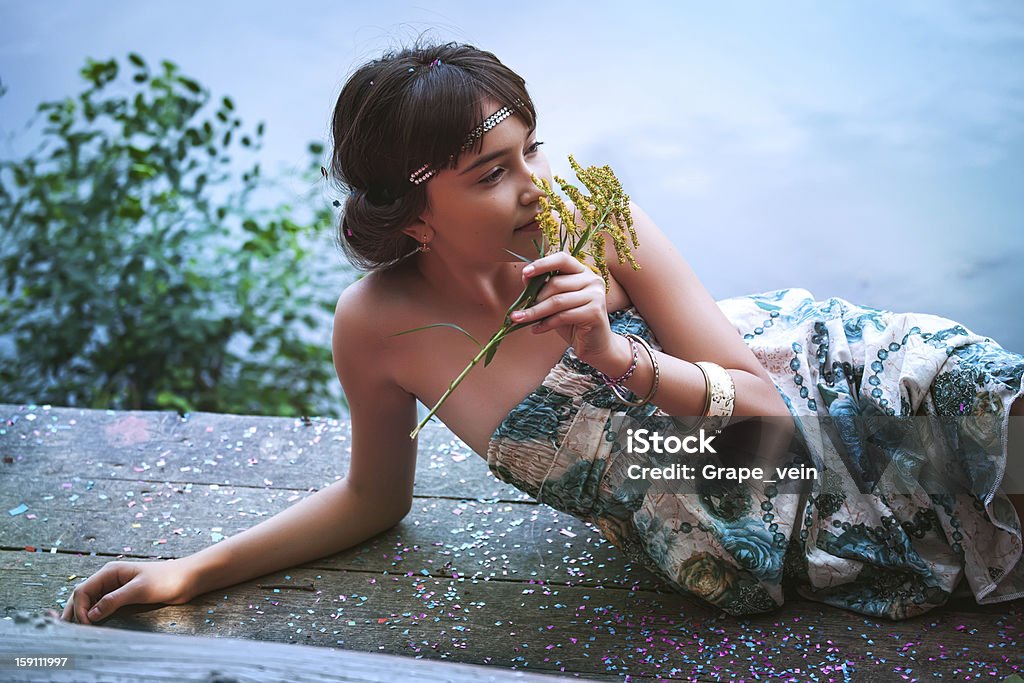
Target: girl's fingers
{"points": [[110, 602], [563, 283], [575, 316], [87, 593], [553, 304], [69, 607], [79, 603], [562, 261]]}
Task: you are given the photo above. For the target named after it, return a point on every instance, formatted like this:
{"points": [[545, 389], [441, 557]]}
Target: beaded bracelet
{"points": [[634, 340], [617, 381]]}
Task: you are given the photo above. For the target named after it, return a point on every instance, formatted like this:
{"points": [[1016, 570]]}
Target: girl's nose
{"points": [[531, 193]]}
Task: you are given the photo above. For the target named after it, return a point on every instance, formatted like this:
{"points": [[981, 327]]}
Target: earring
{"points": [[424, 247]]}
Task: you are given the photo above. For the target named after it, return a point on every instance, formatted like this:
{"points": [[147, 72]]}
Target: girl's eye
{"points": [[494, 177], [497, 174]]}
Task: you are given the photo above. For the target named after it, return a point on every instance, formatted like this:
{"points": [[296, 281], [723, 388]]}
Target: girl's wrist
{"points": [[616, 360], [198, 576]]}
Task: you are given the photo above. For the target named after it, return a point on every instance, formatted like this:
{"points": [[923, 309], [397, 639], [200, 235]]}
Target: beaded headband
{"points": [[424, 172], [382, 196]]}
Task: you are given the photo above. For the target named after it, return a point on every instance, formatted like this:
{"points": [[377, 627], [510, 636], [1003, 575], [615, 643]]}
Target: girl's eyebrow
{"points": [[487, 158]]}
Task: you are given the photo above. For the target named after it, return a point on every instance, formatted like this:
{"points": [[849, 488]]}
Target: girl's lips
{"points": [[529, 227]]}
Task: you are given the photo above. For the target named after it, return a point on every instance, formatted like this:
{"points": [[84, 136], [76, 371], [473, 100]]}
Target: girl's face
{"points": [[479, 209]]}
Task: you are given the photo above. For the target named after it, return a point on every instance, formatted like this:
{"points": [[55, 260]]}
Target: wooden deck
{"points": [[476, 574]]}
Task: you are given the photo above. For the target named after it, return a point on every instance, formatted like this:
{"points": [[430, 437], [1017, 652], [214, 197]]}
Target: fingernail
{"points": [[93, 613], [518, 315], [528, 270]]}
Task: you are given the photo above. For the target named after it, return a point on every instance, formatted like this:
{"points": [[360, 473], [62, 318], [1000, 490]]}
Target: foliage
{"points": [[138, 272]]}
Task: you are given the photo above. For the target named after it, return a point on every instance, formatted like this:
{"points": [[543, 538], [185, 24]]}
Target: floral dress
{"points": [[887, 526]]}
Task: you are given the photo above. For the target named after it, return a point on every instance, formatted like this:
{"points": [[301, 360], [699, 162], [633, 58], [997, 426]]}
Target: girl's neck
{"points": [[485, 287]]}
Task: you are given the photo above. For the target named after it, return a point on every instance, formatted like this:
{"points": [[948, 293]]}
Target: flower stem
{"points": [[494, 341]]}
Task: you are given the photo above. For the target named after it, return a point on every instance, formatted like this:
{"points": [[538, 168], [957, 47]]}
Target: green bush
{"points": [[138, 271]]}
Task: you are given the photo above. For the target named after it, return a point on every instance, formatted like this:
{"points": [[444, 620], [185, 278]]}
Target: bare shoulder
{"points": [[360, 329], [365, 304], [362, 296]]}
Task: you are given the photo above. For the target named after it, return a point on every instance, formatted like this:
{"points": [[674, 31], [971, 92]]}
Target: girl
{"points": [[437, 148]]}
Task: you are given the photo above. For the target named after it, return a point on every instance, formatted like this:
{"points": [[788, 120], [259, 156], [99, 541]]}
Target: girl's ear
{"points": [[420, 231]]}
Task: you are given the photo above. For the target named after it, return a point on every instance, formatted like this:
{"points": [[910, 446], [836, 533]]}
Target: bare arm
{"points": [[375, 495], [327, 522]]}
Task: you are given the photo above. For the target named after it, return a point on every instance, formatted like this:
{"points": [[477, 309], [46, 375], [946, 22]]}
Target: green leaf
{"points": [[166, 399], [490, 355], [427, 327], [144, 170], [518, 256]]}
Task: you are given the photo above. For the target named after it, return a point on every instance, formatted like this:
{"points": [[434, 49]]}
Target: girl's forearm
{"points": [[322, 524], [682, 390]]}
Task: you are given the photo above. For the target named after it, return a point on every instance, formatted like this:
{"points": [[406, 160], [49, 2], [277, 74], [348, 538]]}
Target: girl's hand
{"points": [[573, 303], [127, 583]]}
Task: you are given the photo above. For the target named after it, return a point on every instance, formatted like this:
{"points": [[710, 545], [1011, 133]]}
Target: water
{"points": [[869, 151]]}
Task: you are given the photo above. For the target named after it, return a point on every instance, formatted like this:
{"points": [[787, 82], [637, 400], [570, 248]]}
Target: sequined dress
{"points": [[829, 539]]}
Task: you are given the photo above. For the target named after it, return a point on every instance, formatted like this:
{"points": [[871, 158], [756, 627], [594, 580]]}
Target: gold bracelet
{"points": [[657, 373], [707, 391], [721, 400], [707, 404]]}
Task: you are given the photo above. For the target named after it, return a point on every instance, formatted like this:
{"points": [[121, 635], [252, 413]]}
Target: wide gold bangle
{"points": [[721, 399]]}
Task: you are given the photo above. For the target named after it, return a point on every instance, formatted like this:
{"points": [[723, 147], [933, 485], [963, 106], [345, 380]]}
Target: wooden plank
{"points": [[593, 631], [209, 448], [97, 654], [469, 538], [556, 596]]}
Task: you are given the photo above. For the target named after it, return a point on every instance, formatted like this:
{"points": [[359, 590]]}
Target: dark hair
{"points": [[397, 113]]}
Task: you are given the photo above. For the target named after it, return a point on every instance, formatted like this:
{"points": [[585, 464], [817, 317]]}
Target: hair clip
{"points": [[421, 174], [436, 62]]}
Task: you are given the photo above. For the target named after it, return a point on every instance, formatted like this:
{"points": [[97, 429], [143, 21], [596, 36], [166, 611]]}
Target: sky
{"points": [[872, 150]]}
